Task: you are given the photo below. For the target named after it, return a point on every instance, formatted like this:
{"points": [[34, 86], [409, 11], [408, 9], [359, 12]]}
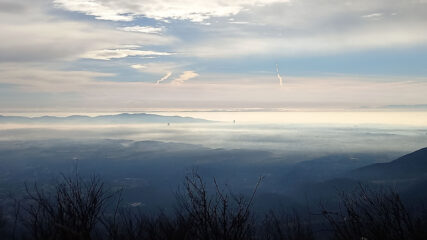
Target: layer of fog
{"points": [[279, 139]]}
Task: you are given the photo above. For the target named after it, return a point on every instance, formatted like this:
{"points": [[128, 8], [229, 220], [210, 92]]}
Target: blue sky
{"points": [[125, 54]]}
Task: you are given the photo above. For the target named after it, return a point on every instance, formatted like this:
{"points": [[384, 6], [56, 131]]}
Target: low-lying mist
{"points": [[279, 139], [300, 164]]}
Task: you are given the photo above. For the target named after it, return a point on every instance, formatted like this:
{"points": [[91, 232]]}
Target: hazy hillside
{"points": [[325, 178], [151, 170], [408, 167]]}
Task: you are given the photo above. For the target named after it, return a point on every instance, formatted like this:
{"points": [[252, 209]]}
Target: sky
{"points": [[76, 55]]}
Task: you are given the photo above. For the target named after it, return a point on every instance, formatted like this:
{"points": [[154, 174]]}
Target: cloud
{"points": [[351, 40], [139, 66], [32, 33], [10, 7], [164, 78], [162, 68], [234, 22], [187, 75], [102, 10], [280, 27], [108, 54], [87, 88], [309, 27], [142, 29], [127, 10], [39, 42], [39, 79], [159, 67], [374, 16]]}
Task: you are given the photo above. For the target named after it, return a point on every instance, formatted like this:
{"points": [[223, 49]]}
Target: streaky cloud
{"points": [[142, 29], [164, 78], [108, 54]]}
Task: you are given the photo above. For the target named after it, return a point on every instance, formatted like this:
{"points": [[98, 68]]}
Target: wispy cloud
{"points": [[40, 79], [108, 54], [138, 66], [306, 27], [164, 78], [32, 33], [342, 91], [142, 29], [83, 88], [250, 43], [373, 16], [187, 75], [160, 67]]}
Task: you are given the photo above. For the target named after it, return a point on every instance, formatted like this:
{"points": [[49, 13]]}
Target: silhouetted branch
{"points": [[369, 214], [71, 212]]}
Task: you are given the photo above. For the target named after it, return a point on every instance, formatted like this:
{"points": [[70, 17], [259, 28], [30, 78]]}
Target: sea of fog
{"points": [[294, 151], [314, 133]]}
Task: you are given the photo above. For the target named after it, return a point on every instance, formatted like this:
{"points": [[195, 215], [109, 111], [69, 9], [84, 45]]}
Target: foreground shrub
{"points": [[374, 215]]}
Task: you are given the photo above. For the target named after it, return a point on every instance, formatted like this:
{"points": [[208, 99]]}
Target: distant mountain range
{"points": [[124, 118]]}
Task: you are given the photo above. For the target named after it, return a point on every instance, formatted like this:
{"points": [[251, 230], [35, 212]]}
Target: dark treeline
{"points": [[85, 209]]}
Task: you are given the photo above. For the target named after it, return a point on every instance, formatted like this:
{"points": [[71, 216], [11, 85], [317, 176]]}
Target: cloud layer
{"points": [[108, 54], [127, 10], [30, 33], [228, 48], [307, 28], [83, 88]]}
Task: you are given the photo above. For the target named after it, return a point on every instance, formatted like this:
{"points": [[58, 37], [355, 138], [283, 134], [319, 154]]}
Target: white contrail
{"points": [[278, 76], [164, 78]]}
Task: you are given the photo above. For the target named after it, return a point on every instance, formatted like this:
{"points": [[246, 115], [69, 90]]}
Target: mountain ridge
{"points": [[114, 118], [409, 166]]}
